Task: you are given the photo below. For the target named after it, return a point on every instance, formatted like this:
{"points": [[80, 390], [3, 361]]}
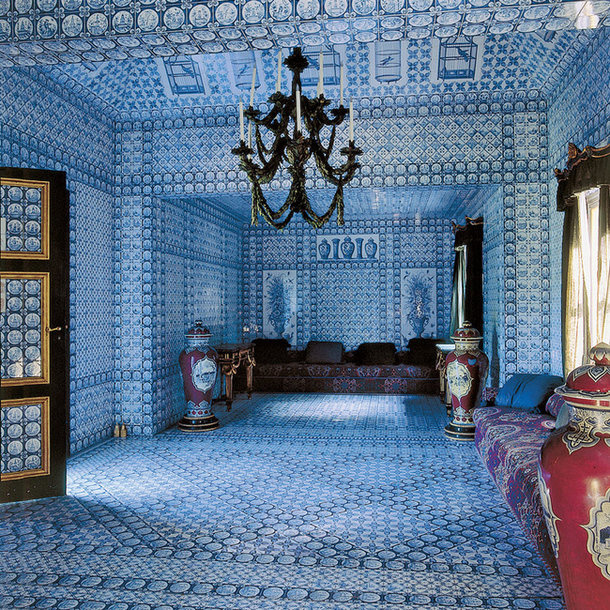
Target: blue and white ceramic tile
{"points": [[90, 31], [295, 502], [144, 170], [21, 438]]}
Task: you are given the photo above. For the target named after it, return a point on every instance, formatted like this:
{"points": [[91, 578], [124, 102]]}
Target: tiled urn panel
{"points": [[43, 126], [579, 113], [313, 292]]}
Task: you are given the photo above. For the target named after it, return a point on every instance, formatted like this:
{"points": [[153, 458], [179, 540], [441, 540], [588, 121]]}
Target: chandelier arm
{"points": [[260, 206], [317, 221]]}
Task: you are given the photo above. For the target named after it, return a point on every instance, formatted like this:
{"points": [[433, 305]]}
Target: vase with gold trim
{"points": [[199, 368], [574, 481], [466, 370]]}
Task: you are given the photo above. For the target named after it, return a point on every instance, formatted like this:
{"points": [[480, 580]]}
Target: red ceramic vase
{"points": [[574, 480], [466, 370], [199, 368]]}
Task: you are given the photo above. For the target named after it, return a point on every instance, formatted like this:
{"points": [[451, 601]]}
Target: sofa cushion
{"points": [[375, 353], [270, 350], [527, 391], [422, 350], [324, 352], [509, 442], [554, 404]]}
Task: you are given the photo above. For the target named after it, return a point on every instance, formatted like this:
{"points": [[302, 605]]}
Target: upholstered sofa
{"points": [[326, 367], [510, 432]]}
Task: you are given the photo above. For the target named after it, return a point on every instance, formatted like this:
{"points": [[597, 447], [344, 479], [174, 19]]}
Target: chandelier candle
{"points": [[341, 86], [321, 77], [252, 87], [297, 128], [241, 121], [278, 86]]}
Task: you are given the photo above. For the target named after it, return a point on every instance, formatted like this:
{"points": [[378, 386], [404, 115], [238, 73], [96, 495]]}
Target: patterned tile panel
{"points": [[351, 299], [21, 438], [21, 327], [195, 273], [21, 215], [90, 31]]}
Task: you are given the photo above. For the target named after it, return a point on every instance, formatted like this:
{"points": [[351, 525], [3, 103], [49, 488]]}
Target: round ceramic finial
{"points": [[199, 331], [467, 334], [589, 385]]}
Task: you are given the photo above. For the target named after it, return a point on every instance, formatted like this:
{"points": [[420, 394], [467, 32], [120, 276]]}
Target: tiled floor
{"points": [[298, 501]]}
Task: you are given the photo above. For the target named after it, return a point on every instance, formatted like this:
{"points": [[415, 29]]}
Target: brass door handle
{"points": [[55, 329]]}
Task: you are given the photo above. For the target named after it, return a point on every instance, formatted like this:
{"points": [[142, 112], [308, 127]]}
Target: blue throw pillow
{"points": [[528, 391]]}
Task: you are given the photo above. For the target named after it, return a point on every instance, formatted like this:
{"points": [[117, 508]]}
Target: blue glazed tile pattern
{"points": [[48, 127], [20, 438], [296, 502], [91, 31], [350, 299], [21, 210], [21, 328]]}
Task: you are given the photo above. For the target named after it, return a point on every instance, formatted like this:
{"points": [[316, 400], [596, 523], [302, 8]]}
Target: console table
{"points": [[230, 357]]}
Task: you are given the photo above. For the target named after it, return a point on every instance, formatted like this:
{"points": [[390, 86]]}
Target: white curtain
{"points": [[458, 296], [587, 314]]}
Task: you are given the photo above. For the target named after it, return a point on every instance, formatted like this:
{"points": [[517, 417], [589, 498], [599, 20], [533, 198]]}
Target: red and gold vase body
{"points": [[199, 368], [574, 480], [466, 370]]}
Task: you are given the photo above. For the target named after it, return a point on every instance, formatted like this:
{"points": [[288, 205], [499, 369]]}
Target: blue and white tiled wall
{"points": [[579, 113], [137, 182], [196, 262], [45, 126], [349, 293]]}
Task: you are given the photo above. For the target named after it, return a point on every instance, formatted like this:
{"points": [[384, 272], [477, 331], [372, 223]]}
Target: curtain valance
{"points": [[586, 169]]}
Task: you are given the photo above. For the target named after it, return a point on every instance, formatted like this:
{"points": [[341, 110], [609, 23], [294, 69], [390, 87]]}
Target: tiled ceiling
{"points": [[68, 31], [454, 202], [505, 62]]}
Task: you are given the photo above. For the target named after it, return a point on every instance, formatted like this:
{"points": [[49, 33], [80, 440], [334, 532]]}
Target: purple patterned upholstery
{"points": [[509, 441], [554, 404], [346, 378]]}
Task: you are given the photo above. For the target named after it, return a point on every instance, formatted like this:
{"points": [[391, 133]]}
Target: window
{"points": [[586, 314]]}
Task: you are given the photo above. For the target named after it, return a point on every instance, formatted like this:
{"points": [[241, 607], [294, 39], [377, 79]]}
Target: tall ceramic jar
{"points": [[466, 370], [574, 479], [199, 368]]}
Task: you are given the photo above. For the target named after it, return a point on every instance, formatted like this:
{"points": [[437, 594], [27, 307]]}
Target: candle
{"points": [[341, 86], [249, 134], [241, 121], [321, 77], [279, 71], [252, 88], [351, 121], [298, 94]]}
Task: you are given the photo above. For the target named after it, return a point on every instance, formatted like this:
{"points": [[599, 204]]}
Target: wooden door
{"points": [[34, 276]]}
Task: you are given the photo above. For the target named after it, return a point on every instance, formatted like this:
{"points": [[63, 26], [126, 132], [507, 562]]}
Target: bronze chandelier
{"points": [[289, 143]]}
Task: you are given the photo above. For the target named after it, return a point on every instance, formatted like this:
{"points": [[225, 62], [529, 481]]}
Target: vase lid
{"points": [[466, 333], [590, 384], [199, 331]]}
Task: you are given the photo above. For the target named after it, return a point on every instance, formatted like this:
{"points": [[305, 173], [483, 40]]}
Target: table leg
{"points": [[249, 377], [229, 389]]}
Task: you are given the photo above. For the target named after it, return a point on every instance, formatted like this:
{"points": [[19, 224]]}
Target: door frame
{"points": [[50, 479]]}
